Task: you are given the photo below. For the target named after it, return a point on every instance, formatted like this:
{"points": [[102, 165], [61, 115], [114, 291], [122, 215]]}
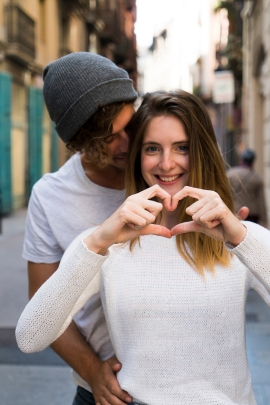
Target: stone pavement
{"points": [[43, 378]]}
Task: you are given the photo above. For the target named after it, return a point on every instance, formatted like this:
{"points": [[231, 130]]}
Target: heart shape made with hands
{"points": [[209, 213], [170, 203]]}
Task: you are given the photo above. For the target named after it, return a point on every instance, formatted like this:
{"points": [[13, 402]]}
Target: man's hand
{"points": [[104, 384]]}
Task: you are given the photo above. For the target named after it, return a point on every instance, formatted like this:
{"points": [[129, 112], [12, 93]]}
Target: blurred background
{"points": [[218, 50]]}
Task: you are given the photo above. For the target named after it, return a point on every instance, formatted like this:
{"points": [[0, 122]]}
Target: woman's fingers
{"points": [[140, 205], [186, 227], [147, 215], [156, 230], [215, 232], [199, 208], [187, 191], [157, 191], [211, 214], [136, 213], [130, 232], [137, 221], [153, 207], [139, 212]]}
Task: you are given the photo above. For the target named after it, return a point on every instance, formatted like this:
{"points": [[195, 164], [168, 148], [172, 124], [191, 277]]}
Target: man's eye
{"points": [[110, 138]]}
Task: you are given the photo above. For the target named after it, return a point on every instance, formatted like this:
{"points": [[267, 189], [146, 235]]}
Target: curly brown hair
{"points": [[93, 137]]}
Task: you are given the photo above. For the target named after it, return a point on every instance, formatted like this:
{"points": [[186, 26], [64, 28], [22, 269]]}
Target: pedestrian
{"points": [[173, 265], [90, 100], [248, 188]]}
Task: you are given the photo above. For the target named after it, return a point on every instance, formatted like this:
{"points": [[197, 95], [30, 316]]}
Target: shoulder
{"points": [[257, 178], [234, 170], [50, 182]]}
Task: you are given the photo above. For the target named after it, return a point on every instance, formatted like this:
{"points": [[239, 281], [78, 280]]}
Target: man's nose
{"points": [[124, 141]]}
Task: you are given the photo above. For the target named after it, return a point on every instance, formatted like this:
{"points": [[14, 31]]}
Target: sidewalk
{"points": [[34, 379], [43, 378], [258, 346]]}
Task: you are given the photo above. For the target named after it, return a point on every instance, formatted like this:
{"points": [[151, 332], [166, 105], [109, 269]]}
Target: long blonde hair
{"points": [[206, 168]]}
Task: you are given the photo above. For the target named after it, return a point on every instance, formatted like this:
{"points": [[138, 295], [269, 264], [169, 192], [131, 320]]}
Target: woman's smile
{"points": [[168, 179]]}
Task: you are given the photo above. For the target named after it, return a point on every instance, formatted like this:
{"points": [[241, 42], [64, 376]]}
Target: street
{"points": [[25, 379], [43, 378]]}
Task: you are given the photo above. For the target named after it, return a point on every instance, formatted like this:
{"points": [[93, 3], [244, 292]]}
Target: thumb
{"points": [[158, 230], [192, 226], [186, 227], [114, 364], [243, 213]]}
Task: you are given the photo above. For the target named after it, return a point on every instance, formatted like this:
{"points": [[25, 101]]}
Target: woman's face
{"points": [[165, 154]]}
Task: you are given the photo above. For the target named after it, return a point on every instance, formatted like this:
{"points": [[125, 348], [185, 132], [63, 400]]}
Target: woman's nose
{"points": [[166, 163]]}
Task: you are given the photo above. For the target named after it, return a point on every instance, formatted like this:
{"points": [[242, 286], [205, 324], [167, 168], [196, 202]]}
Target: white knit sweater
{"points": [[180, 337]]}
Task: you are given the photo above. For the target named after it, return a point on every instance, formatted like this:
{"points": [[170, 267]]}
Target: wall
{"points": [[256, 95], [26, 69]]}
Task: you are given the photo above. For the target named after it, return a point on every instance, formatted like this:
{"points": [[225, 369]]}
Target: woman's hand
{"points": [[135, 217], [210, 216]]}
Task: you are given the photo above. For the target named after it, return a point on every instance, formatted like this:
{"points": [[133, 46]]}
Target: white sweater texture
{"points": [[180, 337]]}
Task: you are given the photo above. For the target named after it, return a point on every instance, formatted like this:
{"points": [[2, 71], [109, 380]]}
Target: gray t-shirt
{"points": [[62, 205]]}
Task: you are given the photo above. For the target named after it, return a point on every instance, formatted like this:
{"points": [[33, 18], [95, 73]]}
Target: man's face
{"points": [[118, 146]]}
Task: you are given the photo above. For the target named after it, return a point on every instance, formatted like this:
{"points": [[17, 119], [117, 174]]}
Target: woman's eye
{"points": [[183, 148], [151, 149]]}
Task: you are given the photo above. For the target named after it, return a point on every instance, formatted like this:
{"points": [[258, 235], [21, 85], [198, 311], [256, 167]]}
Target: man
{"points": [[248, 188], [90, 100]]}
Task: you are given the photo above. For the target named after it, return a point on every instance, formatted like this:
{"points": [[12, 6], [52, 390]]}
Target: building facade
{"points": [[182, 54], [256, 86], [32, 34]]}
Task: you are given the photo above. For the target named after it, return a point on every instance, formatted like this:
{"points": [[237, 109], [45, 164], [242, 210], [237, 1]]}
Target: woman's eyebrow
{"points": [[150, 143], [156, 143]]}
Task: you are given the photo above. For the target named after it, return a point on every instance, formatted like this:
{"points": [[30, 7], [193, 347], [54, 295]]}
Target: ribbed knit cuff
{"points": [[96, 255], [254, 251], [248, 243]]}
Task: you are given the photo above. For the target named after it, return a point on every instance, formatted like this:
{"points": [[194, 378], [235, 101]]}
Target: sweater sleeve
{"points": [[51, 309], [254, 253]]}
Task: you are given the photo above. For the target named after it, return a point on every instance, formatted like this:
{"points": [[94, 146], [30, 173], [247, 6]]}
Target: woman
{"points": [[173, 264]]}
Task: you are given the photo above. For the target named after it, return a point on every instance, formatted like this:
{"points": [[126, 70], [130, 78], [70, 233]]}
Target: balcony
{"points": [[20, 31], [110, 29], [105, 23]]}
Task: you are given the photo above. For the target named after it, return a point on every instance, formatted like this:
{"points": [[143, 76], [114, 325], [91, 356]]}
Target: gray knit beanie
{"points": [[76, 85]]}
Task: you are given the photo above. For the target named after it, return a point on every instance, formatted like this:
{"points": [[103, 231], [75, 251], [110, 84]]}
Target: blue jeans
{"points": [[84, 397]]}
